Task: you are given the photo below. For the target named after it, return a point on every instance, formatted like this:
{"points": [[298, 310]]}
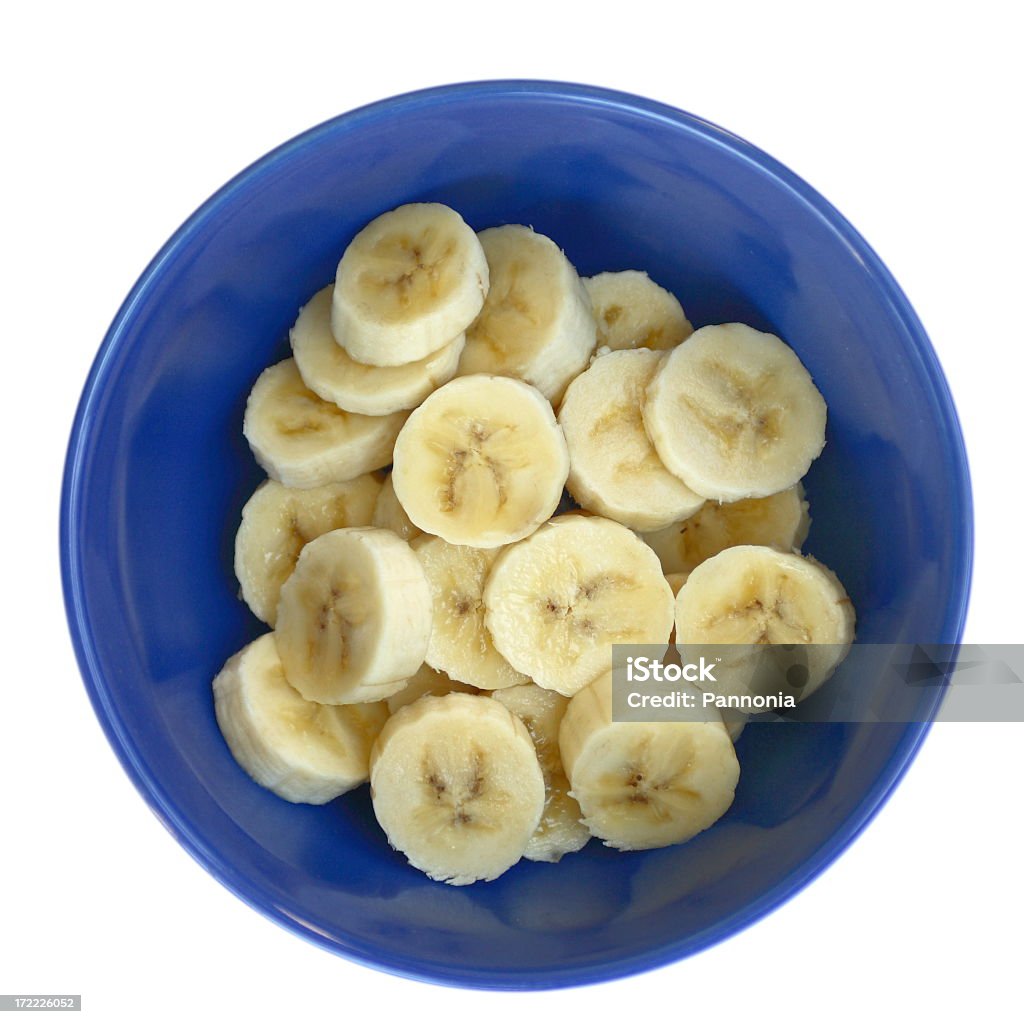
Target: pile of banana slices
{"points": [[441, 631]]}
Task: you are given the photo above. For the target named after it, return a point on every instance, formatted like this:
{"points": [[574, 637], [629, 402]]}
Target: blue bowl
{"points": [[157, 474]]}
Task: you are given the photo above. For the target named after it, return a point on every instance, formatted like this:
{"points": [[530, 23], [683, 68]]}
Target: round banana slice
{"points": [[353, 620], [536, 324], [408, 284], [459, 642], [336, 377], [613, 467], [304, 752], [278, 521], [777, 521], [643, 785], [748, 597], [557, 601], [388, 514], [734, 414], [426, 682], [560, 830], [303, 441], [457, 787], [481, 462], [633, 312]]}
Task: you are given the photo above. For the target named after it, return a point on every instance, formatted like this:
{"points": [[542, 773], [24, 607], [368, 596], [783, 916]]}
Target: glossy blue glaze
{"points": [[157, 473]]}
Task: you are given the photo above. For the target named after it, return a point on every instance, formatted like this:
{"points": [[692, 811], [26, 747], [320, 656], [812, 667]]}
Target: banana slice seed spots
{"points": [[768, 616], [624, 416], [735, 409], [287, 554], [654, 779], [512, 307], [611, 315], [515, 314], [661, 795], [455, 787], [308, 415], [342, 609], [300, 533], [327, 724], [402, 272], [580, 619], [475, 482]]}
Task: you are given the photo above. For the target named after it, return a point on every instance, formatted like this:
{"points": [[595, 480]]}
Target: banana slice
{"points": [[481, 462], [408, 284], [457, 787], [336, 377], [459, 642], [304, 752], [734, 414], [536, 324], [633, 312], [643, 785], [777, 521], [388, 514], [560, 830], [426, 682], [557, 601], [278, 521], [354, 617], [303, 441], [750, 597], [613, 467]]}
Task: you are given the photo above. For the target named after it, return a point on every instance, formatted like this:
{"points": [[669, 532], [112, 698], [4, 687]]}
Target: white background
{"points": [[121, 118]]}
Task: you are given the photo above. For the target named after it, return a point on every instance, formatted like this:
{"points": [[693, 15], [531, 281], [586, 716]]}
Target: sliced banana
{"points": [[459, 642], [560, 830], [643, 785], [336, 377], [734, 414], [304, 752], [613, 467], [457, 787], [303, 441], [426, 682], [537, 323], [408, 284], [777, 521], [481, 462], [633, 312], [557, 601], [388, 514], [354, 617], [278, 521], [748, 597]]}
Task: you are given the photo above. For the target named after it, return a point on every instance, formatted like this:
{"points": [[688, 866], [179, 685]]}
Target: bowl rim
{"points": [[86, 654]]}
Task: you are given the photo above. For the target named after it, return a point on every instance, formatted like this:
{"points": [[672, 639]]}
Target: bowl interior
{"points": [[159, 471]]}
